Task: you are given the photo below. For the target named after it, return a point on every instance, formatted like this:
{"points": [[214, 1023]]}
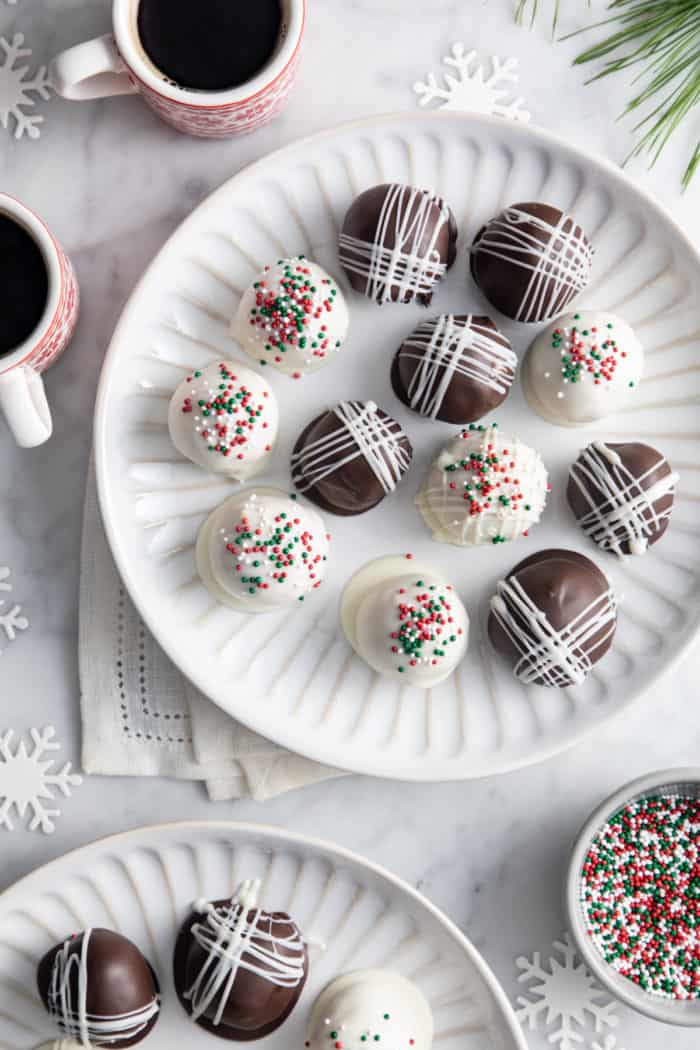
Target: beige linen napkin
{"points": [[141, 717]]}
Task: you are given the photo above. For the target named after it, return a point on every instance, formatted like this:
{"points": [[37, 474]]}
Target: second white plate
{"points": [[142, 884], [292, 677]]}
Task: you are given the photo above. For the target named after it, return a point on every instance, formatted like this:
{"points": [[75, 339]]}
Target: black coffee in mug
{"points": [[209, 45], [24, 284]]}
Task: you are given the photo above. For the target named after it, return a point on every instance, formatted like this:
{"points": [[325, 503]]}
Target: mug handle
{"points": [[94, 69], [23, 402]]}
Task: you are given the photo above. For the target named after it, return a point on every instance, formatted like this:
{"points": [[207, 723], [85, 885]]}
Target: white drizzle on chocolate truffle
{"points": [[397, 243], [238, 936], [553, 618], [224, 418], [531, 260], [454, 368], [261, 551], [99, 990], [293, 317], [486, 486], [622, 495]]}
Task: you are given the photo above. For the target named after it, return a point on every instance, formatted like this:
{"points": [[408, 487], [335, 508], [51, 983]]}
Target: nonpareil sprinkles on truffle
{"points": [[293, 312], [640, 894], [265, 556], [425, 626], [587, 350], [491, 480], [228, 416]]}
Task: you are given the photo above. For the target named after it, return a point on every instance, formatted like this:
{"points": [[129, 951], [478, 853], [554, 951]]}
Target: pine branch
{"points": [[661, 38]]}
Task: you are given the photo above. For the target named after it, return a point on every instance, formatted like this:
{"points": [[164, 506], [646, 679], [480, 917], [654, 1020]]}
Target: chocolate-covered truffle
{"points": [[531, 261], [99, 989], [365, 1007], [456, 369], [350, 457], [397, 243], [622, 495], [239, 971], [293, 317], [583, 367], [405, 620], [224, 417], [485, 486], [553, 618], [261, 551]]}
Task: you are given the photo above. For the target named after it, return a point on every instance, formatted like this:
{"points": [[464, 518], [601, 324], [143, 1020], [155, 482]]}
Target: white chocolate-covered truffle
{"points": [[367, 1007], [293, 317], [486, 486], [582, 368], [261, 551], [405, 621], [224, 418]]}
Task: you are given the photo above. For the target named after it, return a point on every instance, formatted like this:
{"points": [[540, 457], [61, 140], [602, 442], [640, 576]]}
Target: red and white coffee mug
{"points": [[22, 395], [116, 64]]}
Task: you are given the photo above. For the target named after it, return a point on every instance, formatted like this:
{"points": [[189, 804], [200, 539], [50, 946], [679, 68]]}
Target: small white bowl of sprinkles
{"points": [[633, 895]]}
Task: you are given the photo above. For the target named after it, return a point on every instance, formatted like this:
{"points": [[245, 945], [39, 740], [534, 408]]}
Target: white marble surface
{"points": [[113, 182]]}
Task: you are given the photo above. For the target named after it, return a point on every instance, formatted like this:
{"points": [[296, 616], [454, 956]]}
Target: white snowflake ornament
{"points": [[28, 779], [567, 994], [609, 1043], [470, 89], [17, 90], [11, 619]]}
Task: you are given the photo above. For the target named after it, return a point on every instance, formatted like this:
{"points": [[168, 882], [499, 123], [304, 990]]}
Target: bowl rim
{"points": [[682, 1014]]}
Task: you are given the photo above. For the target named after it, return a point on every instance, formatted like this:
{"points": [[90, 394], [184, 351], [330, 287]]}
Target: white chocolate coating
{"points": [[468, 501], [261, 551], [405, 621], [583, 367], [293, 317], [369, 1003], [225, 418]]}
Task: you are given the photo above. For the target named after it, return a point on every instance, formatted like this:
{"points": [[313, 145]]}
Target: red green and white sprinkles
{"points": [[485, 487], [426, 626], [293, 317], [487, 479], [272, 551], [588, 353], [225, 411], [640, 894]]}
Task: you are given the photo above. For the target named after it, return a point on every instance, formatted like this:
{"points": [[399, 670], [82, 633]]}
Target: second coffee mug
{"points": [[41, 303], [120, 63]]}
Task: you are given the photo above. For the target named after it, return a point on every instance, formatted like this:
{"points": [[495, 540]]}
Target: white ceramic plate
{"points": [[292, 677], [143, 883]]}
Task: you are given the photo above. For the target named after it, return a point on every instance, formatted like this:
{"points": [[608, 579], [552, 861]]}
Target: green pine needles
{"points": [[662, 39]]}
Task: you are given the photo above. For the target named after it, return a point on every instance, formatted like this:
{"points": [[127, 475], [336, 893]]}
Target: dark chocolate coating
{"points": [[419, 373], [525, 269], [255, 1007], [353, 487], [362, 224], [562, 584], [119, 980], [643, 463]]}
